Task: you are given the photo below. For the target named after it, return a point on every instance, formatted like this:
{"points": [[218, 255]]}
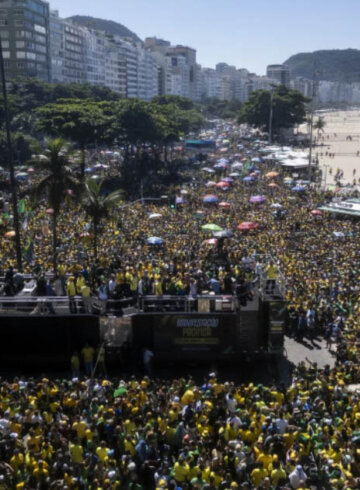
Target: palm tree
{"points": [[319, 125], [98, 205], [58, 178]]}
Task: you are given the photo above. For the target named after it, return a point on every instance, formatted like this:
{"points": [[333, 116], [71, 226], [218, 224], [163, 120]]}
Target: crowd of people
{"points": [[149, 434], [180, 434]]}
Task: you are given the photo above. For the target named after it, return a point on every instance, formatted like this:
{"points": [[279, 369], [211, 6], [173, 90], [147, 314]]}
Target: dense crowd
{"points": [[317, 253], [155, 434]]}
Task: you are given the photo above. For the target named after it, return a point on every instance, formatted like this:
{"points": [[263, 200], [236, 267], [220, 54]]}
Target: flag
{"points": [[21, 206], [29, 251]]}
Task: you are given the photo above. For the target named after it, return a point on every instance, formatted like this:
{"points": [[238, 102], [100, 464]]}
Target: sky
{"points": [[246, 33]]}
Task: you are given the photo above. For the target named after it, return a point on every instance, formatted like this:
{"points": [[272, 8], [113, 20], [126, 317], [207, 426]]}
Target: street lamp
{"points": [[271, 113], [11, 165], [325, 176]]}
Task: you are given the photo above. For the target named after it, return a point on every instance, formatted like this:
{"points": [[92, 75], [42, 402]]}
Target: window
{"points": [[20, 64], [6, 54], [4, 34], [3, 22], [19, 22], [20, 54], [31, 56], [20, 44], [5, 44], [38, 28]]}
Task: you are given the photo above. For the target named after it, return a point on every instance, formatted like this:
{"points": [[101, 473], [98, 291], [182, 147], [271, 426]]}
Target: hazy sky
{"points": [[247, 33]]}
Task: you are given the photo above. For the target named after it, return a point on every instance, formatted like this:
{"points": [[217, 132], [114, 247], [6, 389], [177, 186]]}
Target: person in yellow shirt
{"points": [[79, 426], [88, 353], [85, 292], [278, 474], [16, 460], [102, 452], [40, 472], [271, 276], [258, 474], [76, 452], [80, 282], [71, 292], [181, 470]]}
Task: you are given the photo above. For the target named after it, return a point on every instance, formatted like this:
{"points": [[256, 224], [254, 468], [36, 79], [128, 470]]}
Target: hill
{"points": [[335, 65], [108, 26]]}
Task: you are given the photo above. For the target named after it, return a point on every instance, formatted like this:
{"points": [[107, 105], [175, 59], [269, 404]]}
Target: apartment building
{"points": [[24, 33]]}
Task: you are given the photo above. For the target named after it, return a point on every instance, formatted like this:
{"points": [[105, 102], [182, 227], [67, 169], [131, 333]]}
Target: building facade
{"points": [[279, 73], [67, 51], [24, 32]]}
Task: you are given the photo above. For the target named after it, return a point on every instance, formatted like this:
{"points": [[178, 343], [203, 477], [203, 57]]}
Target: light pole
{"points": [[11, 166], [271, 114], [325, 176]]}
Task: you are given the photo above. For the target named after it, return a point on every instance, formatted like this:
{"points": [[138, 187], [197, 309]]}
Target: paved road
{"points": [[296, 352], [315, 351]]}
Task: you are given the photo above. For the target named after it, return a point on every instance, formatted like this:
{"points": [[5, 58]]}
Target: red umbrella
{"points": [[210, 241], [222, 185], [272, 184], [247, 225], [316, 212], [49, 211], [224, 204]]}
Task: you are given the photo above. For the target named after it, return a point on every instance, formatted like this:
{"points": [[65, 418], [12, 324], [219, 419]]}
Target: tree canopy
{"points": [[289, 109]]}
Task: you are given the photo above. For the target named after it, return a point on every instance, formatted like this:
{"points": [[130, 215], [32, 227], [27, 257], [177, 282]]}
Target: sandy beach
{"points": [[334, 140]]}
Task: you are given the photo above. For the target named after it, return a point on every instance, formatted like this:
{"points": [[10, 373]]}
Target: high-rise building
{"points": [[24, 32], [279, 73], [67, 50], [178, 72]]}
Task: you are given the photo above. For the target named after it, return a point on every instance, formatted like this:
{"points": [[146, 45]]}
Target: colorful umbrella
{"points": [[210, 241], [155, 215], [155, 240], [49, 211], [248, 179], [298, 188], [209, 198], [224, 234], [224, 204], [10, 234], [316, 212], [180, 200], [271, 175], [273, 185], [211, 227], [228, 180], [257, 199], [210, 183], [247, 225], [222, 185]]}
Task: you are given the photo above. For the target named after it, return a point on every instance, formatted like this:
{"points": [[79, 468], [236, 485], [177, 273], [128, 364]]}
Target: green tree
{"points": [[81, 121], [182, 103], [288, 109], [98, 206], [58, 177], [319, 125], [223, 109]]}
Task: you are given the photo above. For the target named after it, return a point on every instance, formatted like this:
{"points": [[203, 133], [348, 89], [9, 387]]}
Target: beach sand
{"points": [[339, 126]]}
